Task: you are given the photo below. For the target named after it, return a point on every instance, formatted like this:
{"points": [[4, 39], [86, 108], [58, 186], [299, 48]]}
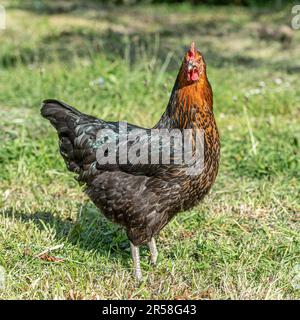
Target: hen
{"points": [[139, 195]]}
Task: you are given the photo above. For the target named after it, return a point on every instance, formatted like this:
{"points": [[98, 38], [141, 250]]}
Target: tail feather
{"points": [[74, 140], [61, 116], [50, 105]]}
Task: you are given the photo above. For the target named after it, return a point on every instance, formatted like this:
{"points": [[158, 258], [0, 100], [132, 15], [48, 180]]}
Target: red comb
{"points": [[192, 51]]}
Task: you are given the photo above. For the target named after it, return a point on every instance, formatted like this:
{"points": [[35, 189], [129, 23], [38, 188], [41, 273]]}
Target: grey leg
{"points": [[135, 252], [153, 250]]}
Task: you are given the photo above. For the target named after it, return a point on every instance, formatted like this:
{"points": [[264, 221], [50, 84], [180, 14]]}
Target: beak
{"points": [[191, 66]]}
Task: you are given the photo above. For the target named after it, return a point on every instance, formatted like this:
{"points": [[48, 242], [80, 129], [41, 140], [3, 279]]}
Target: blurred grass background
{"points": [[118, 61]]}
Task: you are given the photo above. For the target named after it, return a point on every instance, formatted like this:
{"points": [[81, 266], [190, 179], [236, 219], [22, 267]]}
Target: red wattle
{"points": [[195, 76]]}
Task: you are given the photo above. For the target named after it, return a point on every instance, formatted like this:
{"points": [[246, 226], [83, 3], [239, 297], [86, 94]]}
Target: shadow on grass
{"points": [[66, 45], [89, 231], [56, 7], [77, 41]]}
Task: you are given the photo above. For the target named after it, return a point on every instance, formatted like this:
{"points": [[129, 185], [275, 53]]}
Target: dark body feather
{"points": [[142, 198]]}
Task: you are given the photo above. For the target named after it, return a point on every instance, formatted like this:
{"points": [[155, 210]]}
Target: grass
{"points": [[242, 242]]}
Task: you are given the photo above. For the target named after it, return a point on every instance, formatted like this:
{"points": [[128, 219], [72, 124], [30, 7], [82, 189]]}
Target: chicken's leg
{"points": [[135, 252], [153, 251]]}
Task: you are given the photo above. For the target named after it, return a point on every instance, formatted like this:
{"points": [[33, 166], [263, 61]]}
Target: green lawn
{"points": [[242, 242]]}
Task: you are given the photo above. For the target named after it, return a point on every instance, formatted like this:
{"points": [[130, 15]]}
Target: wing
{"points": [[137, 150]]}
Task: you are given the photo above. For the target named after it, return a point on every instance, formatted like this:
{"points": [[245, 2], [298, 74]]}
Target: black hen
{"points": [[142, 197]]}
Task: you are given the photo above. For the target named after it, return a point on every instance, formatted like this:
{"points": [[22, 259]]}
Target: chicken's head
{"points": [[193, 64]]}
